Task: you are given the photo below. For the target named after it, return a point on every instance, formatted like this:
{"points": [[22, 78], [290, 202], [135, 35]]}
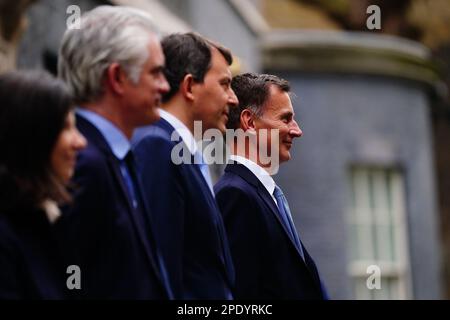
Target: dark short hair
{"points": [[33, 108], [252, 91], [188, 53]]}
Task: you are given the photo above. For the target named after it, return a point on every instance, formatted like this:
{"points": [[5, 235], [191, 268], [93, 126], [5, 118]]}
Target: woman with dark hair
{"points": [[38, 147]]}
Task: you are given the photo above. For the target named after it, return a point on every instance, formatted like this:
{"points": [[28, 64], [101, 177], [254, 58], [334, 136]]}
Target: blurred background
{"points": [[369, 181]]}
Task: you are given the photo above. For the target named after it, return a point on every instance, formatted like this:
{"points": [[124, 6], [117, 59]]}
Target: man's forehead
{"points": [[278, 101], [219, 62]]}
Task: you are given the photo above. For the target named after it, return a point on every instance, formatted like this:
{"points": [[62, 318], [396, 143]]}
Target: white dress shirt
{"points": [[183, 131], [189, 140], [262, 175]]}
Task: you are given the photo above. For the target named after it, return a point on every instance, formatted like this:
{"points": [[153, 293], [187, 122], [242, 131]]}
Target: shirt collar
{"points": [[182, 130], [51, 210], [258, 171], [115, 138]]}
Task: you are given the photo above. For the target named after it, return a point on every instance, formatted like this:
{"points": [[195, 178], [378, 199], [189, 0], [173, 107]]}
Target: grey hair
{"points": [[108, 34]]}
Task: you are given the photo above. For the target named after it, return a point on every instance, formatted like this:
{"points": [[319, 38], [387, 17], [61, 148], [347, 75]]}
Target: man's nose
{"points": [[232, 99], [295, 130], [164, 85]]}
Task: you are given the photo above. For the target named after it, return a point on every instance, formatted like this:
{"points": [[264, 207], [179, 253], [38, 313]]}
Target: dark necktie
{"points": [[127, 168], [286, 217]]}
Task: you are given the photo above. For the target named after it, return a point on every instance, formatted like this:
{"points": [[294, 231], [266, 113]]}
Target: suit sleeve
{"points": [[243, 231]]}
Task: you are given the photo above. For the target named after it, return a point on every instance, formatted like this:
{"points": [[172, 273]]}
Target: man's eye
{"points": [[157, 71]]}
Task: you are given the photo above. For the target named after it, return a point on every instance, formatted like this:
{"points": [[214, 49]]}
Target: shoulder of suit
{"points": [[158, 141], [233, 182], [150, 134], [92, 155], [93, 164]]}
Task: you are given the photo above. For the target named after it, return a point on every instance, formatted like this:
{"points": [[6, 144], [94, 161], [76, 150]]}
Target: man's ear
{"points": [[186, 87], [116, 78], [247, 120]]}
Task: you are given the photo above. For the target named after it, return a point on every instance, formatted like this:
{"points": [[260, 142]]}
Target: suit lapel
{"points": [[96, 138], [120, 181], [262, 191], [217, 217], [248, 176], [144, 227], [225, 257]]}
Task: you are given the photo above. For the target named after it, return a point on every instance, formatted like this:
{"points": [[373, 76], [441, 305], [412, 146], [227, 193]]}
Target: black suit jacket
{"points": [[189, 227], [267, 262], [101, 232]]}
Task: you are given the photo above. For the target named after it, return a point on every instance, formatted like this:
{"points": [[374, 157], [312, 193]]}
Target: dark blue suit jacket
{"points": [[31, 266], [189, 227], [267, 262], [101, 232]]}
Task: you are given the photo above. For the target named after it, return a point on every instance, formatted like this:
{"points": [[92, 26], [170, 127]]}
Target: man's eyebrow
{"points": [[226, 78], [159, 68], [287, 114]]}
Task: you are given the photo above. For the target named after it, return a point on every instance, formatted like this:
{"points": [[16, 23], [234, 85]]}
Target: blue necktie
{"points": [[204, 170], [126, 170], [286, 217]]}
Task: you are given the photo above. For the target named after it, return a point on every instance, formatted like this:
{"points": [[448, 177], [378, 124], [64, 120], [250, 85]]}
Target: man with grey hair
{"points": [[114, 68]]}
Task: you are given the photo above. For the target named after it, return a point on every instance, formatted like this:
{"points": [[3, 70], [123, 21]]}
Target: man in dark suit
{"points": [[113, 65], [176, 180], [270, 260]]}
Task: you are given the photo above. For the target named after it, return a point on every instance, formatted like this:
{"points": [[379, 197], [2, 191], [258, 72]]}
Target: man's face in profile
{"points": [[278, 113], [144, 98], [214, 96]]}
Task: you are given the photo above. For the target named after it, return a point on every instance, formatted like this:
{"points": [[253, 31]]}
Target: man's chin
{"points": [[285, 157], [154, 116], [222, 128]]}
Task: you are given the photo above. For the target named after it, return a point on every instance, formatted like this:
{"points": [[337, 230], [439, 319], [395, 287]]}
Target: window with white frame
{"points": [[378, 233]]}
